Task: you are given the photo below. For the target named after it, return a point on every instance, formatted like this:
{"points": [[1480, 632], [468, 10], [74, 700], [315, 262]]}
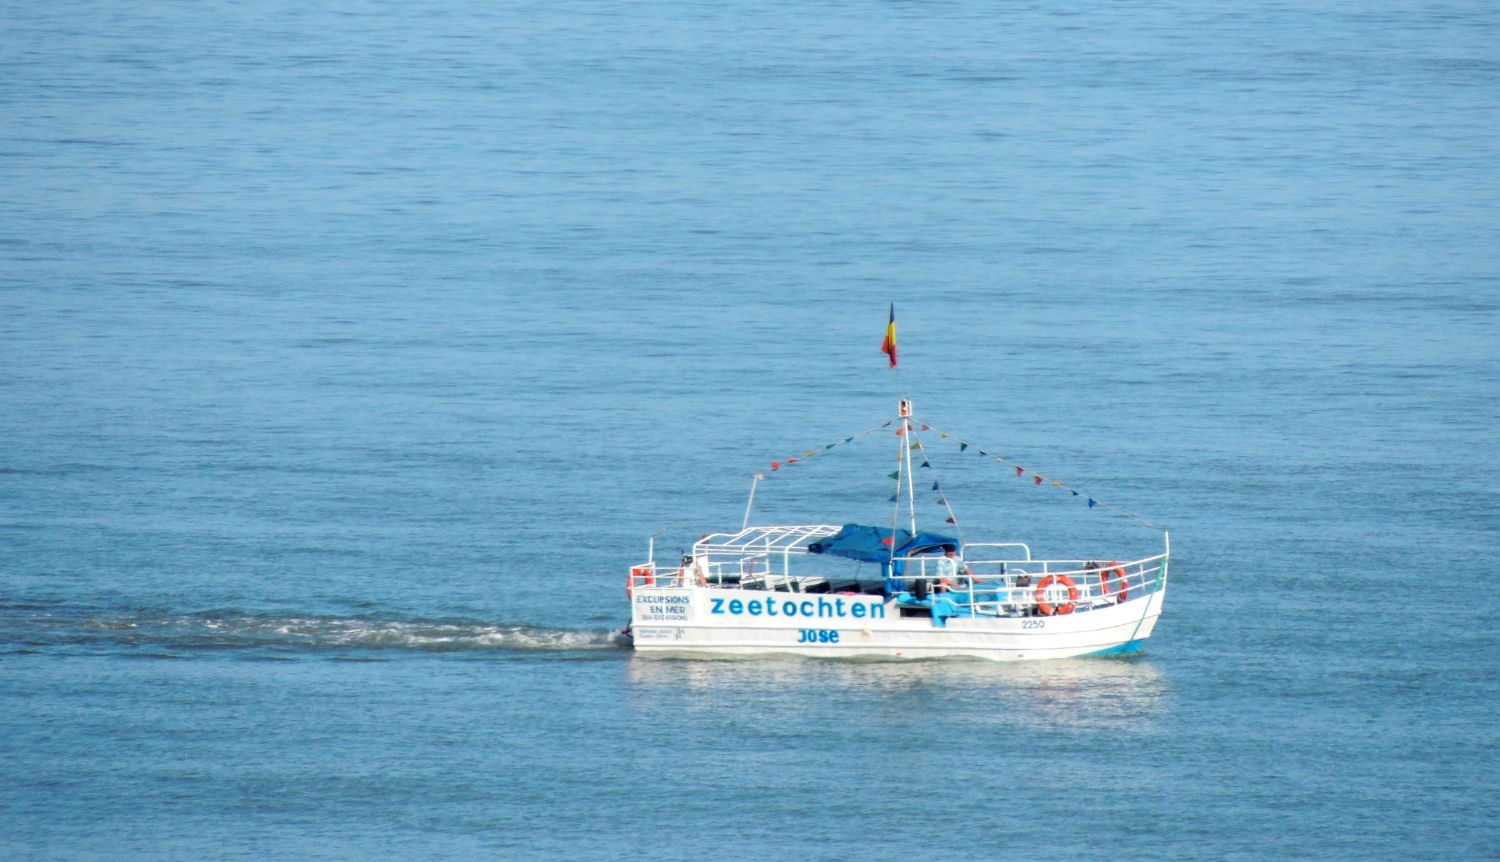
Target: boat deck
{"points": [[996, 579]]}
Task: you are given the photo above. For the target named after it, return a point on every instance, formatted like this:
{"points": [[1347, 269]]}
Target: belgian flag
{"points": [[888, 347]]}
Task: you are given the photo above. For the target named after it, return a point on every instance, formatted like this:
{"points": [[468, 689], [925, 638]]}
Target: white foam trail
{"points": [[231, 632]]}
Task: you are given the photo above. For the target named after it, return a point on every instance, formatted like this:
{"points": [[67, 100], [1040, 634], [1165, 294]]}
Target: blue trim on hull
{"points": [[1123, 649]]}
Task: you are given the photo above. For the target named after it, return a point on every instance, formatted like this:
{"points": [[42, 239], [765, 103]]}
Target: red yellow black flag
{"points": [[888, 347]]}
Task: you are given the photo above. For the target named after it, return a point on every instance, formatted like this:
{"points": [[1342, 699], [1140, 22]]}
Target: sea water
{"points": [[350, 355]]}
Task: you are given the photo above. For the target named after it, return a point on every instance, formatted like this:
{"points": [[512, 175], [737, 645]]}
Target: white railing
{"points": [[755, 568], [1033, 587], [1023, 587], [973, 548]]}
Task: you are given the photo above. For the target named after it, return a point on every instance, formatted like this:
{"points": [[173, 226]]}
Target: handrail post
{"points": [[745, 525]]}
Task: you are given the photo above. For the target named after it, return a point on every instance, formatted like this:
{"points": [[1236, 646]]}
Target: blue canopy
{"points": [[869, 544], [924, 541]]}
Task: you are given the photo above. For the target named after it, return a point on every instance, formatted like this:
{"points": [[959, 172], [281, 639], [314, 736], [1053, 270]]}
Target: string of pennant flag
{"points": [[812, 453], [1038, 479], [909, 431], [942, 498]]}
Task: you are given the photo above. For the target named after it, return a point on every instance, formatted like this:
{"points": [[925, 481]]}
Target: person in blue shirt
{"points": [[948, 567]]}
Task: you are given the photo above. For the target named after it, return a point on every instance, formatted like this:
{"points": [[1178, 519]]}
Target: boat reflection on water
{"points": [[1089, 693]]}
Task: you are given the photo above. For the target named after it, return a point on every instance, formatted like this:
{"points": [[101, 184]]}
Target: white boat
{"points": [[851, 590]]}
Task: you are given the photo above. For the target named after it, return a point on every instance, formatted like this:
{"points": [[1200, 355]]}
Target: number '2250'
{"points": [[817, 636]]}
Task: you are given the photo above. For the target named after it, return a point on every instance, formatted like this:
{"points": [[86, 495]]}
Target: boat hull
{"points": [[718, 622]]}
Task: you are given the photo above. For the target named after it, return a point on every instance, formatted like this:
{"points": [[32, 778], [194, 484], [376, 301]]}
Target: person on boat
{"points": [[1023, 592], [948, 567], [693, 572]]}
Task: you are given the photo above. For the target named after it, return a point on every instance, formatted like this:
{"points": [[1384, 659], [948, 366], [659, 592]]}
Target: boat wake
{"points": [[193, 633]]}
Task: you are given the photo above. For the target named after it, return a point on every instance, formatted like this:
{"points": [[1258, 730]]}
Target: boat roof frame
{"points": [[771, 539]]}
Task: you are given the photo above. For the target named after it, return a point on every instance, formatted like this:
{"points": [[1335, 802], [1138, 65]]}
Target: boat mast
{"points": [[906, 440]]}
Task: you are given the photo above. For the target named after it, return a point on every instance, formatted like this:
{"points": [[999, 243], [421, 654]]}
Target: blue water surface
{"points": [[350, 354]]}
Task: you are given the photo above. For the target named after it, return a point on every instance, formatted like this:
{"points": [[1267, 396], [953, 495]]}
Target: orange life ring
{"points": [[642, 572], [1041, 595], [1114, 568]]}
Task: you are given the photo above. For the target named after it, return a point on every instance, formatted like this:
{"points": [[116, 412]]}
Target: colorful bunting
{"points": [[777, 465], [963, 446], [1038, 479]]}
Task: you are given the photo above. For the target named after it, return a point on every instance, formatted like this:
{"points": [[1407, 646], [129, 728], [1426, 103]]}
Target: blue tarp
{"points": [[865, 544], [859, 543], [924, 541]]}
